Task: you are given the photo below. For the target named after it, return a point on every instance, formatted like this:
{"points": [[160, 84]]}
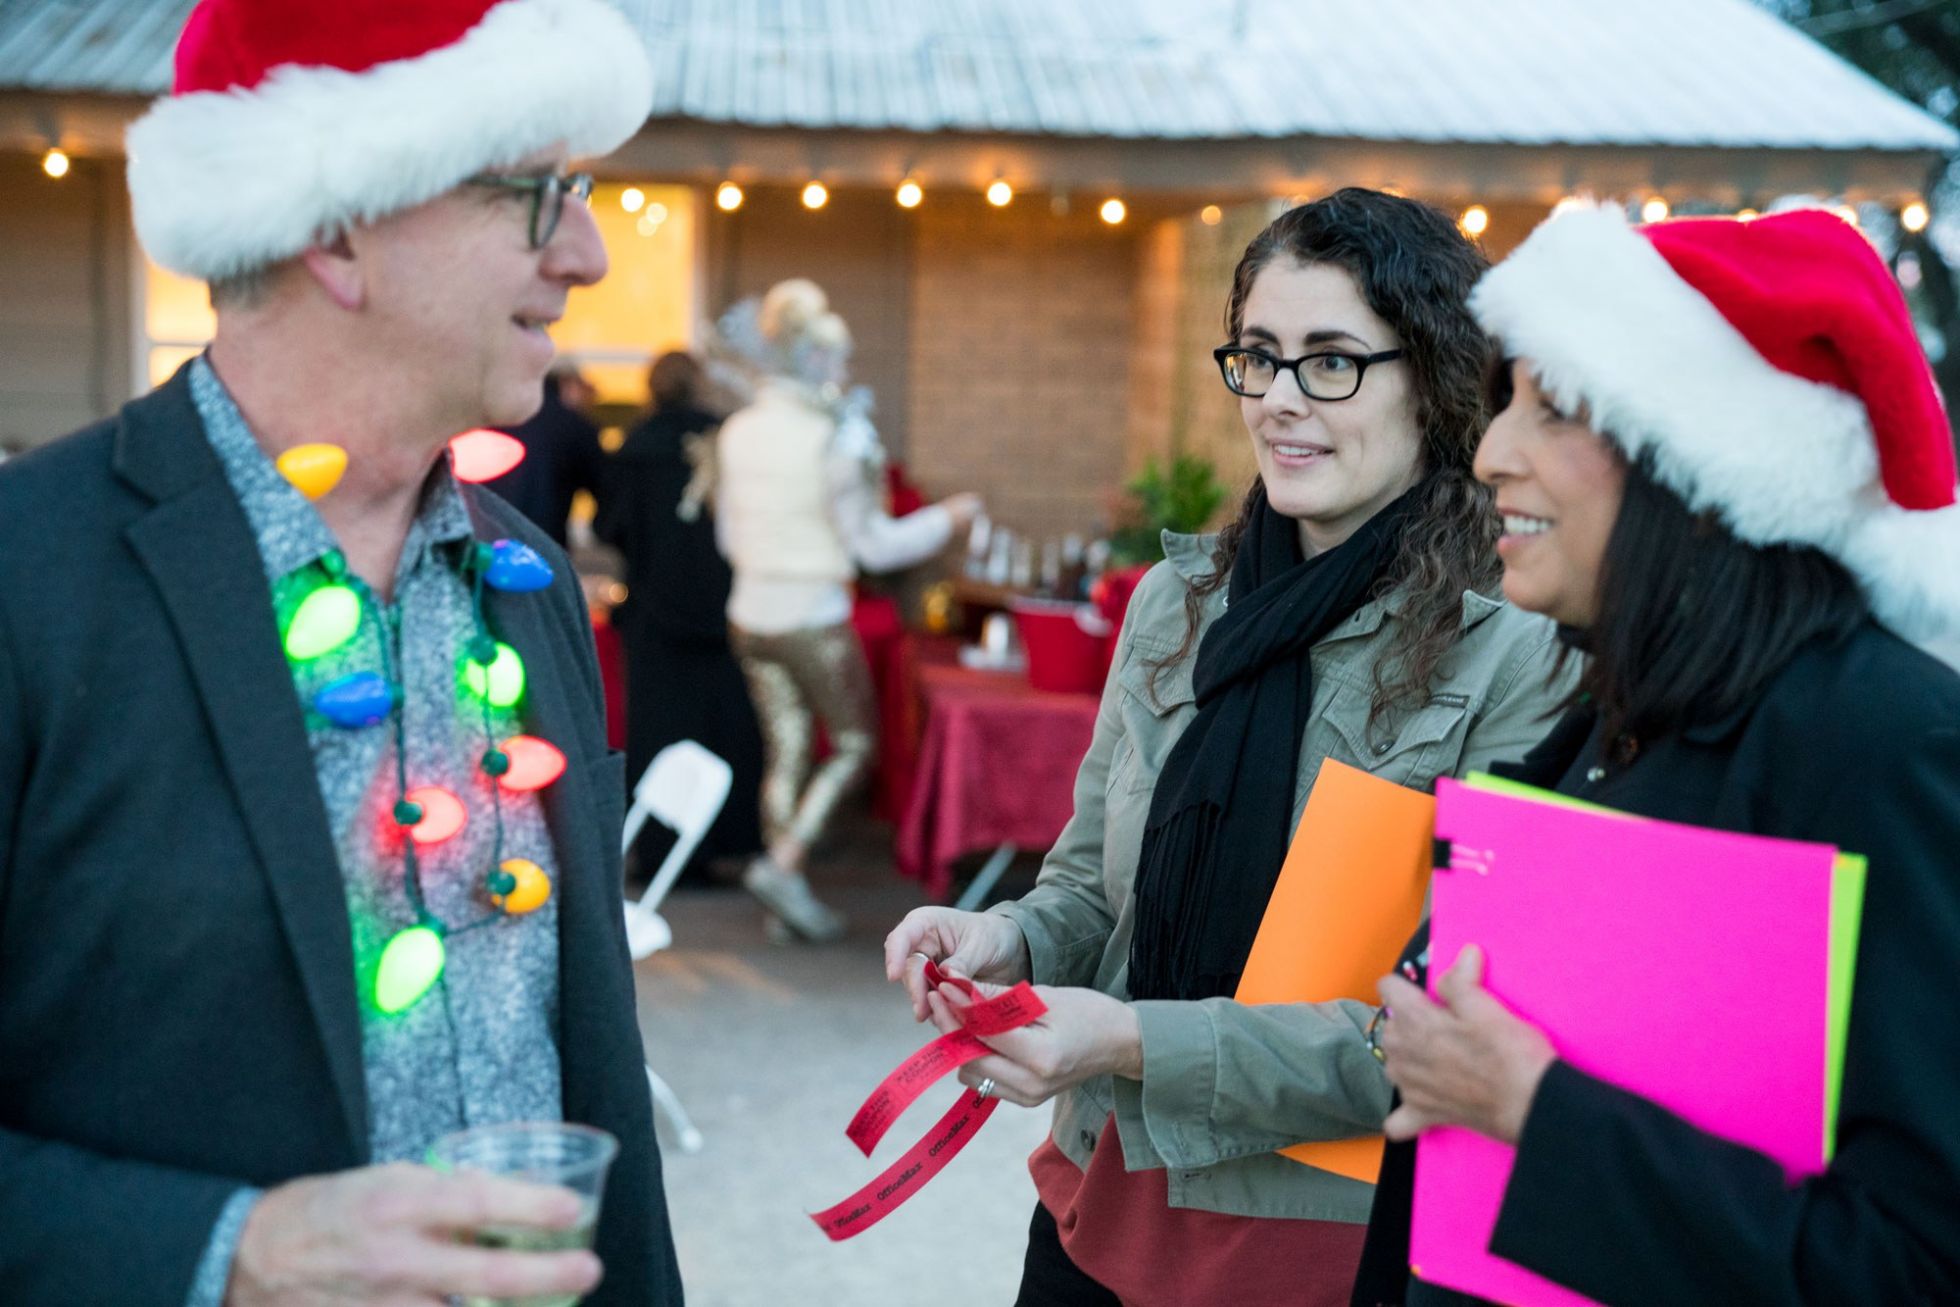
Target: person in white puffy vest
{"points": [[799, 511]]}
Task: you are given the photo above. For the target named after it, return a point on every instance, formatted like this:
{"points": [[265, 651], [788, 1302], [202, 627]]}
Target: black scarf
{"points": [[1221, 814]]}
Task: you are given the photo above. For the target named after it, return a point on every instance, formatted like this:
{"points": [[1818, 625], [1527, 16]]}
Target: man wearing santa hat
{"points": [[308, 827]]}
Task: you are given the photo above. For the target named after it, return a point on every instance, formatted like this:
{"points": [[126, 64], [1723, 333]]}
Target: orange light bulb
{"points": [[530, 891]]}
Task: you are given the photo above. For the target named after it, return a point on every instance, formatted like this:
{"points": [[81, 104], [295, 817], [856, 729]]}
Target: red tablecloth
{"points": [[882, 633], [997, 766], [612, 676]]}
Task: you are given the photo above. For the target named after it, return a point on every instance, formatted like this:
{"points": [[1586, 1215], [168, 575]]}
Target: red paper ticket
{"points": [[899, 1090], [990, 1016], [902, 1087], [1004, 1012], [949, 1052], [935, 978], [908, 1174]]}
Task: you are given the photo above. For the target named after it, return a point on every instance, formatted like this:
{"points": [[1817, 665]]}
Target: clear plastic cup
{"points": [[574, 1157]]}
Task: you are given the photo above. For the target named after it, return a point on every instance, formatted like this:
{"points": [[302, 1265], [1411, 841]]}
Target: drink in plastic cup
{"points": [[574, 1157]]}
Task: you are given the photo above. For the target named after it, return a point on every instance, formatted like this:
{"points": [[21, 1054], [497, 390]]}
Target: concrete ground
{"points": [[772, 1048]]}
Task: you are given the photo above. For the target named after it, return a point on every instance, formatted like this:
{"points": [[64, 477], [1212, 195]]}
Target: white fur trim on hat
{"points": [[227, 182], [1608, 325]]}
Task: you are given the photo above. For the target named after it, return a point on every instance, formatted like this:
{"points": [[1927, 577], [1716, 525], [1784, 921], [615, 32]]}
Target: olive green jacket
{"points": [[1225, 1084]]}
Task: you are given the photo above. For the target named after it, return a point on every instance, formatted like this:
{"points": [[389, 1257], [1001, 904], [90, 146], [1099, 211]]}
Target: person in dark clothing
{"points": [[562, 456], [246, 982], [1745, 577], [682, 681]]}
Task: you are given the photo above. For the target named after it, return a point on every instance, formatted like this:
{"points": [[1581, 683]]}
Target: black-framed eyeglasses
{"points": [[547, 197], [1327, 375]]}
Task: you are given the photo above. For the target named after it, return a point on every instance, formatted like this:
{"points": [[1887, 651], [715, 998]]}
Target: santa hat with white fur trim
{"points": [[1770, 369], [290, 118]]}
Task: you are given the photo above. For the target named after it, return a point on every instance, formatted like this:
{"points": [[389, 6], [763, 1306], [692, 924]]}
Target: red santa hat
{"points": [[1770, 369], [289, 118]]}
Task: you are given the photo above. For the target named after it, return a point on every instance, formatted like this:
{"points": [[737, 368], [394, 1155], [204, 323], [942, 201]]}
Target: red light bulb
{"points": [[443, 814], [534, 763], [484, 455]]}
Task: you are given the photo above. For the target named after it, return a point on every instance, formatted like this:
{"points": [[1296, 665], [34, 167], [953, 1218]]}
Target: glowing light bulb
{"points": [[1211, 215], [815, 196], [1568, 204], [443, 814], [910, 194], [1000, 194], [728, 197], [1847, 212], [528, 888], [632, 199], [324, 620], [1747, 214], [484, 455], [55, 164], [516, 568], [352, 702], [1114, 211], [410, 964], [1915, 216], [1475, 220], [1655, 209], [313, 469], [534, 763], [502, 682]]}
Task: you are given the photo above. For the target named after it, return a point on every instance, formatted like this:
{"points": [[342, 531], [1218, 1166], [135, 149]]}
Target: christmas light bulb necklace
{"points": [[325, 620], [330, 615]]}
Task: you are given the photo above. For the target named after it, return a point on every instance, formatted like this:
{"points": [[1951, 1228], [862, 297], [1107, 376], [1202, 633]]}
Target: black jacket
{"points": [[177, 1005], [674, 622], [677, 582], [562, 456], [1855, 744]]}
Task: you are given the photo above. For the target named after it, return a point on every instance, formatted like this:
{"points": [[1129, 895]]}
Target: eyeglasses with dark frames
{"points": [[547, 197], [1327, 375]]}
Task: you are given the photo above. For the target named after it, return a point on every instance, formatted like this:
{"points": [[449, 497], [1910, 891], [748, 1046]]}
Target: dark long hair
{"points": [[1415, 271], [1693, 623], [676, 381]]}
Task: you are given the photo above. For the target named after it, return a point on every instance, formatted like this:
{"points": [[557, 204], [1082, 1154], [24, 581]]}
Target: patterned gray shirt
{"points": [[481, 1047]]}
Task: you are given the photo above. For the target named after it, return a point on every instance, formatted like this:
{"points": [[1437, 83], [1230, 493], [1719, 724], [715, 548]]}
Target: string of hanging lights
{"points": [[331, 615]]}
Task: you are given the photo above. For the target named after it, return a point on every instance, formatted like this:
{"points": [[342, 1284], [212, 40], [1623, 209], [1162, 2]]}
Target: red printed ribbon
{"points": [[899, 1090]]}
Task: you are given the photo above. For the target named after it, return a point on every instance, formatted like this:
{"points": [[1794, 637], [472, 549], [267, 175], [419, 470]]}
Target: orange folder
{"points": [[1350, 894]]}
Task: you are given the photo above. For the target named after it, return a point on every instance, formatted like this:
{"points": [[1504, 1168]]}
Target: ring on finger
{"points": [[986, 1088]]}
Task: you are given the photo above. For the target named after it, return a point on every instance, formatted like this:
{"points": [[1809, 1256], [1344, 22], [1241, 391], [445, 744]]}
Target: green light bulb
{"points": [[409, 965], [325, 620], [502, 683]]}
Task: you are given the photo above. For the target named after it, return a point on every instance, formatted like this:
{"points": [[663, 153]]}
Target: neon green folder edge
{"points": [[1847, 912]]}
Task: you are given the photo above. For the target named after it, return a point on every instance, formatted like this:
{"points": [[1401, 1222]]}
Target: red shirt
{"points": [[1120, 1228]]}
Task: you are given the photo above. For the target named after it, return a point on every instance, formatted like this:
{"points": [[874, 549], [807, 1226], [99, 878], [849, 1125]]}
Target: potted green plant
{"points": [[1182, 497]]}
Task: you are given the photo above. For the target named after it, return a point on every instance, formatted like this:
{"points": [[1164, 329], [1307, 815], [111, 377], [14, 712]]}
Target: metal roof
{"points": [[1526, 72]]}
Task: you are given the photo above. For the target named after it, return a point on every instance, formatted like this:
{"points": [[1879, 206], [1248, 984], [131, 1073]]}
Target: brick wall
{"points": [[1204, 415], [64, 297], [1020, 358], [858, 247]]}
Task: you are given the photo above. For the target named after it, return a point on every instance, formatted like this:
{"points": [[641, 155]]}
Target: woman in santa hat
{"points": [[1725, 470]]}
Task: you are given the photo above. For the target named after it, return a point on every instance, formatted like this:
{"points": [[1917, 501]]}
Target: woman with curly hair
{"points": [[1350, 612]]}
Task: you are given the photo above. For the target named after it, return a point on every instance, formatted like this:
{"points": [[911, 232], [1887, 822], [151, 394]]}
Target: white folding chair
{"points": [[683, 788]]}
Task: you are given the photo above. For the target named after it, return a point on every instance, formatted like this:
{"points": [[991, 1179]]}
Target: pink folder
{"points": [[1691, 966]]}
